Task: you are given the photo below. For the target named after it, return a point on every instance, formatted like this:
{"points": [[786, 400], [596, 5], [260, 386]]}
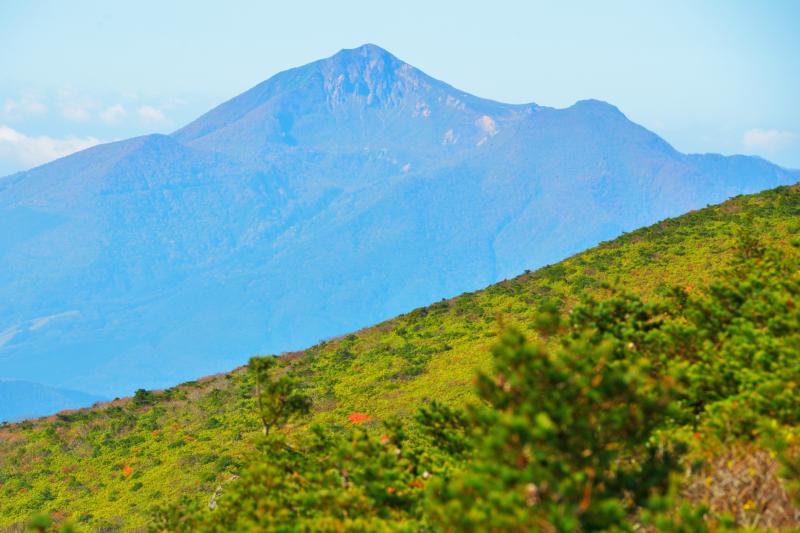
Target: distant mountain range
{"points": [[326, 198], [23, 399]]}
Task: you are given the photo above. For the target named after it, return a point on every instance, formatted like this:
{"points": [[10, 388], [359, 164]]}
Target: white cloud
{"points": [[10, 106], [76, 106], [27, 105], [113, 114], [150, 114], [34, 107], [21, 149], [75, 112], [760, 140]]}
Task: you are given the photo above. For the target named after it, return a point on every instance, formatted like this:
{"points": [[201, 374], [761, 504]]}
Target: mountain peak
{"points": [[365, 50], [369, 75], [367, 61], [364, 76]]}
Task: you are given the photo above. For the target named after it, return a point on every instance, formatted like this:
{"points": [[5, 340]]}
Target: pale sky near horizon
{"points": [[708, 76]]}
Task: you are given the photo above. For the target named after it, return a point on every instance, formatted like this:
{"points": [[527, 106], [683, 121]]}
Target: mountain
{"points": [[23, 399], [328, 197], [108, 466]]}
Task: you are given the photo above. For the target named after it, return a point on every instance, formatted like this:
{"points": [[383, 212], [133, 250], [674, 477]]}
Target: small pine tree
{"points": [[278, 398]]}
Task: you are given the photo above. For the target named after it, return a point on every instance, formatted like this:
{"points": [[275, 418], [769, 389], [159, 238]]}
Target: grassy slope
{"points": [[108, 466]]}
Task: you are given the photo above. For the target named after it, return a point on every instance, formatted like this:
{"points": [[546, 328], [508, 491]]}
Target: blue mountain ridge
{"points": [[327, 198], [23, 399]]}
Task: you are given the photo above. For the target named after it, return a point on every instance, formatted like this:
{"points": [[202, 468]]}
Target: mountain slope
{"points": [[23, 399], [107, 466], [328, 197]]}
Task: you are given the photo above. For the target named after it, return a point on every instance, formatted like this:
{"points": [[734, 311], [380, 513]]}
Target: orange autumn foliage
{"points": [[359, 418]]}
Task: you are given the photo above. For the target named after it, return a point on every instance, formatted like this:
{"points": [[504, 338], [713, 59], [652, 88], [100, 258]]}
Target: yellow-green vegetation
{"points": [[108, 468]]}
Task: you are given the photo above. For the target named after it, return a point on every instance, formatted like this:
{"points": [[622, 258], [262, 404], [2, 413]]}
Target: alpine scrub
{"points": [[581, 430]]}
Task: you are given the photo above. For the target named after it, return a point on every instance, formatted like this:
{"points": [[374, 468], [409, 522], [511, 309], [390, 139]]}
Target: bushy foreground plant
{"points": [[740, 343], [563, 441]]}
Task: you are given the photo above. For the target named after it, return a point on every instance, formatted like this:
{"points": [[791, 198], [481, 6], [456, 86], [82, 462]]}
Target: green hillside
{"points": [[107, 468]]}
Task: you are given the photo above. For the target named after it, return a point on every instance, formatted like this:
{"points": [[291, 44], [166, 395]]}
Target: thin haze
{"points": [[714, 76]]}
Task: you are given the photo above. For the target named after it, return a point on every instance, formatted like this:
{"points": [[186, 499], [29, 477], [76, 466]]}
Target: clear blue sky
{"points": [[709, 76]]}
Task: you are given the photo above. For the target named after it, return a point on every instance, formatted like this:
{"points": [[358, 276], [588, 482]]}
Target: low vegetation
{"points": [[587, 428], [647, 383]]}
